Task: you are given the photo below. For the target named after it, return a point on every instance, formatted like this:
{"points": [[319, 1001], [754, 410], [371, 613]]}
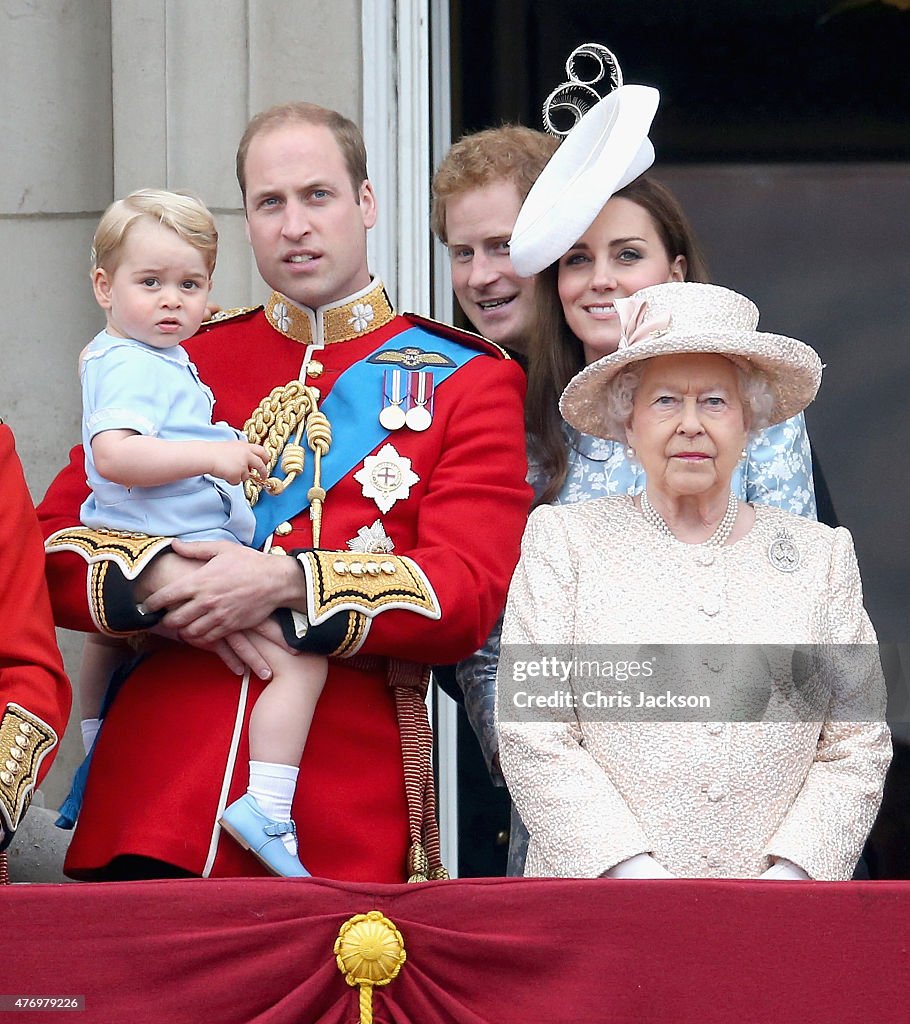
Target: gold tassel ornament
{"points": [[369, 952], [286, 412]]}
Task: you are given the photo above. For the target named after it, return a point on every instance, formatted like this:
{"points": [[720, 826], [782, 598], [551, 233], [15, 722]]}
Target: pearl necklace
{"points": [[717, 539]]}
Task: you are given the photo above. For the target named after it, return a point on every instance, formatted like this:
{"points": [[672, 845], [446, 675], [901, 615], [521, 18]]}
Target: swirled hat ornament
{"points": [[605, 149]]}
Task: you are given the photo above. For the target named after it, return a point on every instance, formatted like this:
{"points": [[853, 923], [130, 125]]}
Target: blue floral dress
{"points": [[777, 470]]}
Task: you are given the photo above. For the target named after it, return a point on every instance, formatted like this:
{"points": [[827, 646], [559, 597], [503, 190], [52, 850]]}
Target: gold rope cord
{"points": [[286, 411]]}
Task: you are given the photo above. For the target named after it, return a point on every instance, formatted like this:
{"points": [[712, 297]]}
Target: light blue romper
{"points": [[128, 385]]}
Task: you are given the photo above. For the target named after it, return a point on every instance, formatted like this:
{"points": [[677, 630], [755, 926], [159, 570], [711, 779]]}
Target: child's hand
{"points": [[236, 461]]}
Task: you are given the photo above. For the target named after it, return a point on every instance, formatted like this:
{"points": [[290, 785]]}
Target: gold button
{"points": [[25, 727], [12, 767], [21, 741], [356, 568], [373, 568], [6, 778], [283, 529], [276, 549], [314, 368], [16, 753], [388, 567], [340, 567]]}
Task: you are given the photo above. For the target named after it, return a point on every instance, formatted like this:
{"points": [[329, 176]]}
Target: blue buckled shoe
{"points": [[245, 822]]}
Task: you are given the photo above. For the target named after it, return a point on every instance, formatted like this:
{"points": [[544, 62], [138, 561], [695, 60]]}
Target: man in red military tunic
{"points": [[400, 502], [34, 691]]}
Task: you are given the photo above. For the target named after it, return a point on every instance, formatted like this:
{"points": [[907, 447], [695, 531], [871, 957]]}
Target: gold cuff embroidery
{"points": [[131, 551], [24, 741], [351, 581], [358, 627], [97, 573]]}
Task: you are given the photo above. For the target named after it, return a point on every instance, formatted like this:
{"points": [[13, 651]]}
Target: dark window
{"points": [[740, 80]]}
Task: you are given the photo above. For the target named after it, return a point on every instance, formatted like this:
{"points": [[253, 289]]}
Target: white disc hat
{"points": [[607, 149]]}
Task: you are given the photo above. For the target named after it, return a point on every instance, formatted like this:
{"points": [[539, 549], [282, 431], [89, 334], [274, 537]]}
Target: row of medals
{"points": [[407, 399]]}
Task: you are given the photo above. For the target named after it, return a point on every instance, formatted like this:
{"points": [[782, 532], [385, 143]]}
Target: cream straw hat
{"points": [[680, 317]]}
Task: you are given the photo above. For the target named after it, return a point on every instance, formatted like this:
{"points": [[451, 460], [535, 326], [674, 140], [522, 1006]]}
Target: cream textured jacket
{"points": [[707, 798]]}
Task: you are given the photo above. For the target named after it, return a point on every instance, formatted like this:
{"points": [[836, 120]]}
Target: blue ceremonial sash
{"points": [[354, 435]]}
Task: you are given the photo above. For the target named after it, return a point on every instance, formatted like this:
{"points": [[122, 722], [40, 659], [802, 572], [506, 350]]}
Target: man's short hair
{"points": [[347, 135], [182, 212], [508, 153]]}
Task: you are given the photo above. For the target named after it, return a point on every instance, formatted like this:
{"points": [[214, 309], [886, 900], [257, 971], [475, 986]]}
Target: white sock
{"points": [[272, 787], [90, 727]]}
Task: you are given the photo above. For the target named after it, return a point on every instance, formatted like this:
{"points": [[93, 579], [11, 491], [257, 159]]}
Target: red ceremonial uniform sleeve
{"points": [[470, 517], [67, 571], [31, 669]]}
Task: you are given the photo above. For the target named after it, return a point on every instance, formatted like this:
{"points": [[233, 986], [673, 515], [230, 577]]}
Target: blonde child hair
{"points": [[182, 212]]}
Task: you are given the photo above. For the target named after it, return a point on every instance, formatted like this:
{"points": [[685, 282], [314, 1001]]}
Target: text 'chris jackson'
{"points": [[596, 699]]}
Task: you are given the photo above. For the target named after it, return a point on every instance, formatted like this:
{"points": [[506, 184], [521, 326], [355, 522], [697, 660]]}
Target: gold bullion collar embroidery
{"points": [[366, 310]]}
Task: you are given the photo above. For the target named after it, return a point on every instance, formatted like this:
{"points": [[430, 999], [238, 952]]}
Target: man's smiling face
{"points": [[498, 302]]}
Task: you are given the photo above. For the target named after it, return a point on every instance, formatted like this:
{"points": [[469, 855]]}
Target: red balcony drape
{"points": [[481, 951]]}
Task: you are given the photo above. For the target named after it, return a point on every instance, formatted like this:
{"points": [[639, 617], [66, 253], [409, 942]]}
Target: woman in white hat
{"points": [[595, 230], [641, 237], [780, 795]]}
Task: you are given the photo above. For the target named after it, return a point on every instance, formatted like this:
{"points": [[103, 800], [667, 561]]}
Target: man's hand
{"points": [[218, 588], [240, 651], [235, 650]]}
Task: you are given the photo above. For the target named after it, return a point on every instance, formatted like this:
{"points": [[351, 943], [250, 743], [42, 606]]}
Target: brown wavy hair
{"points": [[555, 354], [510, 152]]}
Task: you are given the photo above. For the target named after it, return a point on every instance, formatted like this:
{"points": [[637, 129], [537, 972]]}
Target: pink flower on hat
{"points": [[634, 323]]}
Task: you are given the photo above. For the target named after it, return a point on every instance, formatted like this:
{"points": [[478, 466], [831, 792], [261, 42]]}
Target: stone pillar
{"points": [[55, 83], [188, 76]]}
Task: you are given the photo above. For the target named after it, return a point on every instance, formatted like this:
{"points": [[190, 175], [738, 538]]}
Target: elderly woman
{"points": [[618, 242], [688, 563]]}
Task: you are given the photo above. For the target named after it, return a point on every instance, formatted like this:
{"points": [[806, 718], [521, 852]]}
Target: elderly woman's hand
{"points": [[784, 871], [642, 865]]}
